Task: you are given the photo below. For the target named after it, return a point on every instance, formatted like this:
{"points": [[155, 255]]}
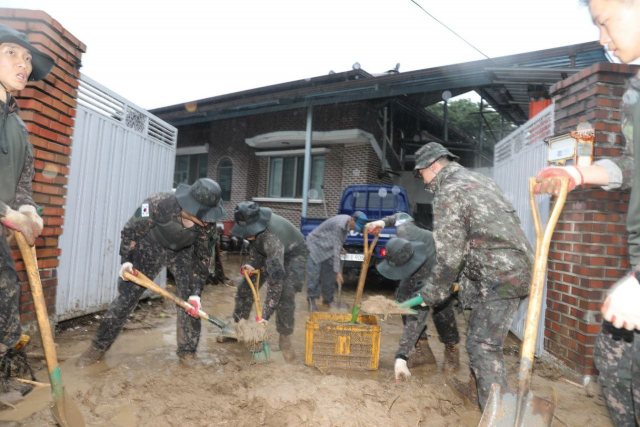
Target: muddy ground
{"points": [[142, 383]]}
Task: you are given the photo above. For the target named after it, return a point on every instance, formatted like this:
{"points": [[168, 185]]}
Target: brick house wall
{"points": [[588, 251], [226, 139], [48, 109]]}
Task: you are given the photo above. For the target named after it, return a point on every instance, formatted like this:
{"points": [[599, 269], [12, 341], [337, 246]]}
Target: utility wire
{"points": [[456, 34]]}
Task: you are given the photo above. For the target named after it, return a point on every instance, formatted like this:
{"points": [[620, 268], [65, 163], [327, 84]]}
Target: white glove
{"points": [[127, 267], [194, 301], [22, 223], [246, 268], [401, 370], [621, 305], [36, 221], [374, 227]]}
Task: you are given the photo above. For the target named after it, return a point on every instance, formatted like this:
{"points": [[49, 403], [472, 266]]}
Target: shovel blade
{"points": [[502, 406], [66, 411]]}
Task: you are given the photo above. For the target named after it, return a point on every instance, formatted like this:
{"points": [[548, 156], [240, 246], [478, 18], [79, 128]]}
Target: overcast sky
{"points": [[158, 53]]}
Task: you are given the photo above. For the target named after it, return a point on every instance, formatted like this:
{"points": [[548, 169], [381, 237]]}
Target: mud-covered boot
{"points": [[90, 356], [422, 357], [326, 305], [312, 305], [188, 359], [468, 391], [286, 349], [451, 358]]}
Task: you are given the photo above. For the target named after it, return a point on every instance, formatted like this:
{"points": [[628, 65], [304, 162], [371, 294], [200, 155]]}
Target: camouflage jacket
{"points": [[17, 164], [278, 241], [623, 177], [162, 211], [479, 240]]}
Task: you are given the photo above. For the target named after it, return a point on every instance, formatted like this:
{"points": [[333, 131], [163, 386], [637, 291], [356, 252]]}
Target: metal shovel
{"points": [[65, 410], [506, 409]]}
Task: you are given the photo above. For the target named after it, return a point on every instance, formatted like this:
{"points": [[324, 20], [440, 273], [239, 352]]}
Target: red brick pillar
{"points": [[589, 248], [48, 108]]}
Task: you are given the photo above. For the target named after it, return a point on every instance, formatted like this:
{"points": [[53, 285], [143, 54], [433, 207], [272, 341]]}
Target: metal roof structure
{"points": [[507, 83]]}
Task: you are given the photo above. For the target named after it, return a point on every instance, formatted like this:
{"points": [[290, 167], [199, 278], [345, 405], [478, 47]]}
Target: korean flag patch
{"points": [[144, 210]]}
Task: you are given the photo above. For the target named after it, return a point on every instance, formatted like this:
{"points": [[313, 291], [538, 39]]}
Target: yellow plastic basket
{"points": [[333, 342]]}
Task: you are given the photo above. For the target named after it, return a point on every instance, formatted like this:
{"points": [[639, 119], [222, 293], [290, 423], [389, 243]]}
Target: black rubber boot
{"points": [[422, 357], [312, 304], [89, 357], [285, 347]]}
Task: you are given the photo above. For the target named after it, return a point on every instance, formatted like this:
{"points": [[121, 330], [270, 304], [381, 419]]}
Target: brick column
{"points": [[589, 248], [48, 108]]}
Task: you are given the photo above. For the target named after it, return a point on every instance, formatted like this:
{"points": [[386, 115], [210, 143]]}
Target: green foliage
{"points": [[464, 116]]}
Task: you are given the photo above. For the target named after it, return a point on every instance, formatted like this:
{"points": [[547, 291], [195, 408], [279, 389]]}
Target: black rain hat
{"points": [[250, 219], [403, 258], [41, 62], [202, 199]]}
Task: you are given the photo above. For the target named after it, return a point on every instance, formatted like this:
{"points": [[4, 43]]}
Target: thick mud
{"points": [[141, 381]]}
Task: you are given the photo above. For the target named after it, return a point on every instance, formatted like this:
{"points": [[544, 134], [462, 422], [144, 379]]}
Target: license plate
{"points": [[352, 257]]}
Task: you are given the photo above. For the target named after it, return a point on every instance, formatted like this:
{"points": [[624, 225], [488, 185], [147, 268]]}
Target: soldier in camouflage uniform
{"points": [[177, 231], [279, 247], [20, 62], [481, 245], [413, 256], [617, 347]]}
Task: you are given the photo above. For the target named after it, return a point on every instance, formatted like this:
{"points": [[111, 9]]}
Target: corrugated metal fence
{"points": [[517, 158], [120, 155]]}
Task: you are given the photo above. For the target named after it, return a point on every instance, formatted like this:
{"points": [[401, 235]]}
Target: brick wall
{"points": [[589, 249], [48, 108], [226, 140]]}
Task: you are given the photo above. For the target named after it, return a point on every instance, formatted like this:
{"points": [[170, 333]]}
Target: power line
{"points": [[456, 34]]}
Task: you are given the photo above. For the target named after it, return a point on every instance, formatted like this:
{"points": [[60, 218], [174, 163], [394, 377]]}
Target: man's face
{"points": [[427, 175], [15, 66], [618, 21]]}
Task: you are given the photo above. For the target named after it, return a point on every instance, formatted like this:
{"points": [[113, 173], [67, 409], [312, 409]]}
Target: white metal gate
{"points": [[517, 158], [120, 155]]}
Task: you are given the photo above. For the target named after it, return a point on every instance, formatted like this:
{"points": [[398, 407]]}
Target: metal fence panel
{"points": [[120, 155]]}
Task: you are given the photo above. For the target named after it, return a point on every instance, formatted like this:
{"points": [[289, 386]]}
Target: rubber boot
{"points": [[285, 347], [451, 358], [90, 356], [312, 304], [326, 305], [423, 356], [188, 359], [468, 391]]}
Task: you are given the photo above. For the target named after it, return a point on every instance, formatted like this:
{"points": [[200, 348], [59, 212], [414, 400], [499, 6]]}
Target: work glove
{"points": [[22, 223], [246, 269], [547, 182], [262, 321], [128, 268], [194, 301], [621, 305], [374, 227], [36, 220], [401, 370]]}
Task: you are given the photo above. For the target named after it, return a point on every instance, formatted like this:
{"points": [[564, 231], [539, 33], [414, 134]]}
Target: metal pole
{"points": [[384, 139], [307, 162], [478, 159], [446, 120]]}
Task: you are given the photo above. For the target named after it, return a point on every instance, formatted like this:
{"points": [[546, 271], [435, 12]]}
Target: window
{"points": [[225, 169], [190, 168], [286, 176]]}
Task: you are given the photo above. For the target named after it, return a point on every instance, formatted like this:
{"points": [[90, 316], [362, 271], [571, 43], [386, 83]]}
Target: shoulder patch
{"points": [[144, 210]]}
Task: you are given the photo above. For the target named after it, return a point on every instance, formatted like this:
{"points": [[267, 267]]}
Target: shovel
{"points": [[368, 250], [524, 409], [341, 305], [264, 354], [145, 282], [65, 410]]}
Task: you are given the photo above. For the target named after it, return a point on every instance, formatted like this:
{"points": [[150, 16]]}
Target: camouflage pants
{"points": [[486, 331], [322, 278], [152, 258], [415, 326], [283, 302], [618, 360], [9, 295]]}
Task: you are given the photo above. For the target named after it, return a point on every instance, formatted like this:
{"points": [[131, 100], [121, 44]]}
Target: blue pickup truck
{"points": [[376, 201]]}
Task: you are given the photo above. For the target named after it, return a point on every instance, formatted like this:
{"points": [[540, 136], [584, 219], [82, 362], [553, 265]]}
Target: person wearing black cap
{"points": [[279, 247], [325, 245], [20, 63], [410, 258], [177, 231]]}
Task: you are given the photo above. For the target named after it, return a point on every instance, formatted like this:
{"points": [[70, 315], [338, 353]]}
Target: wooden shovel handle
{"points": [[256, 295], [368, 251], [31, 263]]}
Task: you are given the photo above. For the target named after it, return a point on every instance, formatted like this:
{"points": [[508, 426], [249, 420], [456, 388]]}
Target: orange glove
{"points": [[548, 184]]}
